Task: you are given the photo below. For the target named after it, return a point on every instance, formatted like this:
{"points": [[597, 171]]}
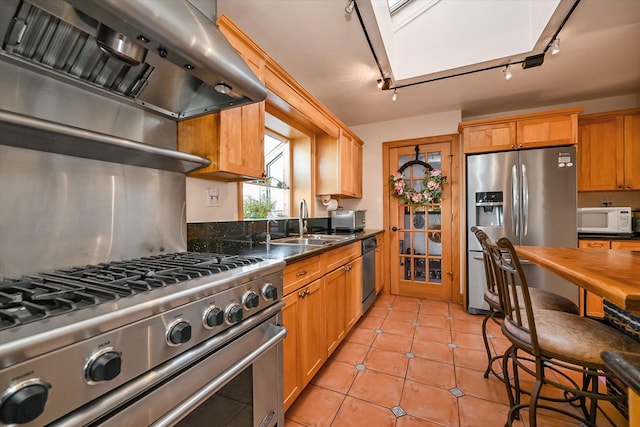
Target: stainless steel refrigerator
{"points": [[528, 196]]}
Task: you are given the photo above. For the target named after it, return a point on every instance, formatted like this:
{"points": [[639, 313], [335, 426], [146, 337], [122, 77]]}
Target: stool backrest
{"points": [[489, 267], [519, 323]]}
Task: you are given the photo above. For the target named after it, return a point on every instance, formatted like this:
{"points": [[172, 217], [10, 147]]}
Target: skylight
{"points": [[432, 36], [395, 5]]}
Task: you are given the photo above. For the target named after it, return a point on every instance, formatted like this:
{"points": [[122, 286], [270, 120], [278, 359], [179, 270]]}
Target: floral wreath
{"points": [[431, 189]]}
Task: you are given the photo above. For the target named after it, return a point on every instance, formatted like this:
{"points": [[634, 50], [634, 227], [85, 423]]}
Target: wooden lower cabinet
{"points": [[304, 350], [343, 302], [320, 310], [590, 304]]}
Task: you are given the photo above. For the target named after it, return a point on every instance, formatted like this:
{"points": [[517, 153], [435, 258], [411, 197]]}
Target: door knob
{"points": [[394, 228]]}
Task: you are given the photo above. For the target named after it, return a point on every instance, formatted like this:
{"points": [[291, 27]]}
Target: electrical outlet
{"points": [[213, 197], [606, 201]]}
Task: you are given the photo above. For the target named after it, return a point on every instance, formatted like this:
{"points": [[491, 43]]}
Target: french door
{"points": [[420, 236]]}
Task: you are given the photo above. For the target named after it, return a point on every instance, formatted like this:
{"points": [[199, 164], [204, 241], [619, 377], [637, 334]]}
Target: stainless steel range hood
{"points": [[164, 55]]}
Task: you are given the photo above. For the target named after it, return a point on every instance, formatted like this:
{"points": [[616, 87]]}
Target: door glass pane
{"points": [[420, 273], [435, 270]]}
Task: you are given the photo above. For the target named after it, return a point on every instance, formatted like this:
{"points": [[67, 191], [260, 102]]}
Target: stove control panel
{"points": [[40, 390]]}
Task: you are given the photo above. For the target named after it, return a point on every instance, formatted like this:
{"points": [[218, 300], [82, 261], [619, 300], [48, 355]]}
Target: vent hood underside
{"points": [[186, 55]]}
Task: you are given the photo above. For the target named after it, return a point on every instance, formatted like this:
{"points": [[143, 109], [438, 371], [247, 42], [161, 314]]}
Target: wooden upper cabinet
{"points": [[632, 151], [232, 139], [339, 165], [545, 129], [490, 137], [608, 151]]}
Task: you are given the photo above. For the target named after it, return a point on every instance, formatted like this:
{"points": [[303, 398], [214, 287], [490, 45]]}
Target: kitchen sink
{"points": [[310, 240]]}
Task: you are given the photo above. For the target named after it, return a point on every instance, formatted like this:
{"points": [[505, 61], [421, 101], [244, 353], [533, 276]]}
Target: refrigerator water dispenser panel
{"points": [[489, 209]]}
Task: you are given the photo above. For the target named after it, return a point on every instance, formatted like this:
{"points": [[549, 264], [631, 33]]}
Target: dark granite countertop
{"points": [[293, 253], [626, 366]]}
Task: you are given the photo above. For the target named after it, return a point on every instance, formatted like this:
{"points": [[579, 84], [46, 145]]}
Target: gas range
{"points": [[72, 335]]}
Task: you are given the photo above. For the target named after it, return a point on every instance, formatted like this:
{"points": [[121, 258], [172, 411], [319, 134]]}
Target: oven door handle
{"points": [[201, 395]]}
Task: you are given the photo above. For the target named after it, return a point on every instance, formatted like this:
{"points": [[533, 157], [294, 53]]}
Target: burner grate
{"points": [[35, 297]]}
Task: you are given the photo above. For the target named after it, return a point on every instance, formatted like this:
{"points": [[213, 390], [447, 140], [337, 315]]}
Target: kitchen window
{"points": [[269, 197]]}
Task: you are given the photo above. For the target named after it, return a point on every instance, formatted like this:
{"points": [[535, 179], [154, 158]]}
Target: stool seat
{"points": [[578, 339], [540, 299]]}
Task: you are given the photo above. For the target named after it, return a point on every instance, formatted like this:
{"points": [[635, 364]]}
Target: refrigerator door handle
{"points": [[525, 201], [515, 206]]}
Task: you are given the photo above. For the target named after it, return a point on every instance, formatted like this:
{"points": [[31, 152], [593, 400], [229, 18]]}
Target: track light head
{"points": [[533, 61], [384, 83], [555, 47], [507, 72], [349, 8], [395, 95]]}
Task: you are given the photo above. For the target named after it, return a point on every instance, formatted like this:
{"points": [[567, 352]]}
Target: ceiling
{"points": [[326, 51]]}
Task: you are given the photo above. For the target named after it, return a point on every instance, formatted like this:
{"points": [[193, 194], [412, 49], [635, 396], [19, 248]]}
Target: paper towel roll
{"points": [[332, 205]]}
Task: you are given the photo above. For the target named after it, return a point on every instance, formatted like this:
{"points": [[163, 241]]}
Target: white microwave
{"points": [[604, 220]]}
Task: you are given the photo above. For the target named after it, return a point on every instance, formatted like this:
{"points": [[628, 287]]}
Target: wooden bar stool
{"points": [[541, 300], [558, 341]]}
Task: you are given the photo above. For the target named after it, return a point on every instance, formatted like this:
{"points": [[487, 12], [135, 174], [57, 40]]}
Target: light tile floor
{"points": [[402, 366]]}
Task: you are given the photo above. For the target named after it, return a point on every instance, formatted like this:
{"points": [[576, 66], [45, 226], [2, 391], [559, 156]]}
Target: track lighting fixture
{"points": [[507, 72], [349, 8], [395, 95], [555, 47], [384, 83]]}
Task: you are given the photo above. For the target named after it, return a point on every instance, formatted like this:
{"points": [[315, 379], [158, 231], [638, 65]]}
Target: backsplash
{"points": [[231, 237], [612, 198]]}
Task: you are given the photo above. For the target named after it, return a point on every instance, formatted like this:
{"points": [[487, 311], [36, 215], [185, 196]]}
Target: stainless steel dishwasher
{"points": [[368, 272]]}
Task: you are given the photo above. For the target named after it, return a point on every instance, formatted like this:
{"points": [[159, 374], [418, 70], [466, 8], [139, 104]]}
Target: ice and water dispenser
{"points": [[489, 209]]}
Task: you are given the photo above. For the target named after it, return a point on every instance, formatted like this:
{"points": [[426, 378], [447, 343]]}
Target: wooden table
{"points": [[613, 275]]}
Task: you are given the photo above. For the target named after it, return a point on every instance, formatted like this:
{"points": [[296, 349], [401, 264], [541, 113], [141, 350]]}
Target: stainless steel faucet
{"points": [[302, 217], [267, 238]]}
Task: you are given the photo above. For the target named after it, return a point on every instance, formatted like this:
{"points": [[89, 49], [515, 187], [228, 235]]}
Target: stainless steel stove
{"points": [[78, 345]]}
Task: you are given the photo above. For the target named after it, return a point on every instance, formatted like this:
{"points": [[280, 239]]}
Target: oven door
{"points": [[240, 384]]}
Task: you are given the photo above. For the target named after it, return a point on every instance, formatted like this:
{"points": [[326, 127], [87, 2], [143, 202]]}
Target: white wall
{"points": [[374, 135], [197, 209]]}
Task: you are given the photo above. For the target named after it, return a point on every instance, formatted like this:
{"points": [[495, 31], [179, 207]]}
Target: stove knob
{"points": [[103, 366], [179, 332], [24, 402], [233, 313], [250, 300], [214, 316], [269, 292]]}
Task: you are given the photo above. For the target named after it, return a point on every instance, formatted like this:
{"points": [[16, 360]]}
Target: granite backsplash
{"points": [[231, 237]]}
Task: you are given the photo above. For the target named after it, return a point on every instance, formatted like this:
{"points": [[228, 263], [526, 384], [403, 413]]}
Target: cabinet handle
{"points": [[301, 294], [595, 245], [307, 291], [301, 273], [620, 186], [629, 187]]}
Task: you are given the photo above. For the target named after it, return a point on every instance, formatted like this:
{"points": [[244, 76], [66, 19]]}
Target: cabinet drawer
{"points": [[594, 244], [624, 245], [340, 256], [302, 272]]}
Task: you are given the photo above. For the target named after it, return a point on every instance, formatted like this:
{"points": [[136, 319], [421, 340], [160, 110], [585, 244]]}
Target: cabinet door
{"points": [[313, 351], [592, 304], [346, 165], [625, 245], [335, 296], [600, 154], [292, 373], [632, 152], [242, 140], [489, 137], [547, 131], [354, 293]]}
